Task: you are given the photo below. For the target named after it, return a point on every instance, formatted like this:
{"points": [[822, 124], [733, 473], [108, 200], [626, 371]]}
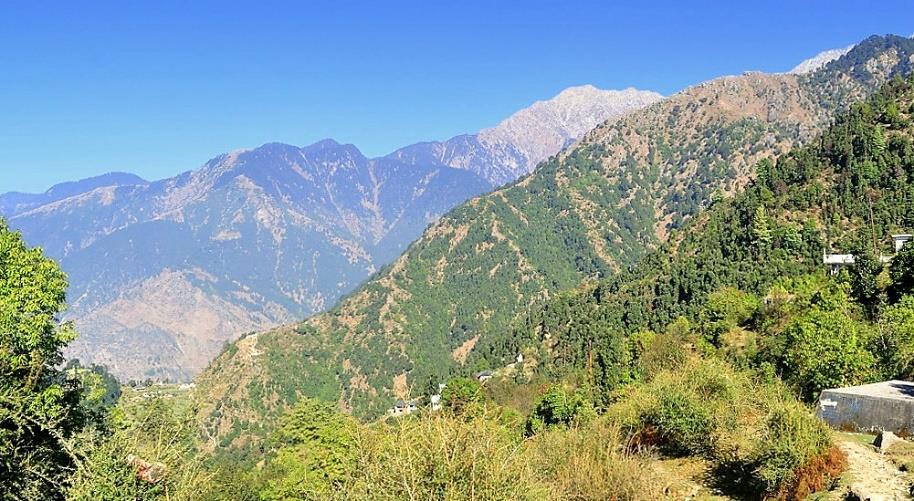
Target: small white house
{"points": [[837, 261], [901, 239], [485, 376]]}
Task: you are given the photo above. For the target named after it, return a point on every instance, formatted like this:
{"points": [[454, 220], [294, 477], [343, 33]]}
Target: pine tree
{"points": [[760, 227]]}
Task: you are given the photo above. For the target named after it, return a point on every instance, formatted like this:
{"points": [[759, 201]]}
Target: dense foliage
{"points": [[40, 409]]}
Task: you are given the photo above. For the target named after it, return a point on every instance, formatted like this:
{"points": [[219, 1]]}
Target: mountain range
{"points": [[164, 273], [589, 213]]}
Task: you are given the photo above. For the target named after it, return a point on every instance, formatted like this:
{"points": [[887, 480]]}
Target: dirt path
{"points": [[872, 476]]}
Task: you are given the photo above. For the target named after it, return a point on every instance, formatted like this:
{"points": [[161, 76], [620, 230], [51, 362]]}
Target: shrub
{"points": [[754, 433], [794, 455], [655, 353], [560, 406], [155, 434], [441, 457]]}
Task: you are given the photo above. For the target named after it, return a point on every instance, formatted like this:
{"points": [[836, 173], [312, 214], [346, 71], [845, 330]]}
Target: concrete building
{"points": [[837, 261], [403, 408], [885, 406], [901, 239]]}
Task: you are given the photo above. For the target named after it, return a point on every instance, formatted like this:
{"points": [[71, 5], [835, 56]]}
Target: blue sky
{"points": [[157, 88]]}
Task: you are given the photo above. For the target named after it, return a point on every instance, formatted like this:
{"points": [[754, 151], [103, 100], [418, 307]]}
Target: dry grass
{"points": [[480, 458]]}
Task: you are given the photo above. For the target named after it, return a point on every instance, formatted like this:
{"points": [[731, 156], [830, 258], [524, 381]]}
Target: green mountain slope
{"points": [[848, 192], [589, 213]]}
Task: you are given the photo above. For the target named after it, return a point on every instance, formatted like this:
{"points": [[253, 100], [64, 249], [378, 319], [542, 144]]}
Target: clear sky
{"points": [[158, 87]]}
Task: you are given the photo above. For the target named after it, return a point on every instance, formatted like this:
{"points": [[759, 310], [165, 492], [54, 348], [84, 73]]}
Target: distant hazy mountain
{"points": [[14, 203], [164, 273]]}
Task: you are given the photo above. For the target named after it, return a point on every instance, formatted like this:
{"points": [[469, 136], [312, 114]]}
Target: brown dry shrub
{"points": [[816, 475]]}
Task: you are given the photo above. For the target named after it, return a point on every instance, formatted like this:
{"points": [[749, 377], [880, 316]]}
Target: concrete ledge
{"points": [[885, 406]]}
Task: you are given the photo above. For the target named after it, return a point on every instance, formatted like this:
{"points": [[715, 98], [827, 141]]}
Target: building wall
{"points": [[851, 412]]}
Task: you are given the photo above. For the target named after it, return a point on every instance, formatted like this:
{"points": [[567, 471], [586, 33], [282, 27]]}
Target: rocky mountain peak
{"points": [[819, 60], [546, 127]]}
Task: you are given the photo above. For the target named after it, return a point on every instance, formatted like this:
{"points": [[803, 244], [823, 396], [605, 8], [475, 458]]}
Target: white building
{"points": [[901, 239], [837, 261]]}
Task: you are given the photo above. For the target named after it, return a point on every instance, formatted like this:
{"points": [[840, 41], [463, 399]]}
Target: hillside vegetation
{"points": [[737, 266], [451, 301], [705, 350], [684, 376]]}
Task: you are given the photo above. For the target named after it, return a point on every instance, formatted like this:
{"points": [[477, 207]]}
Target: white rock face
{"points": [[546, 127], [514, 147], [819, 60]]}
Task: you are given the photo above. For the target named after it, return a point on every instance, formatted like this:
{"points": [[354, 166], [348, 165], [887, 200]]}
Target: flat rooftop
{"points": [[895, 390]]}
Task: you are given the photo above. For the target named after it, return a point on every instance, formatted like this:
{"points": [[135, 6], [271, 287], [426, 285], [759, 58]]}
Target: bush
{"points": [[794, 456], [655, 353], [755, 434], [156, 435], [560, 406]]}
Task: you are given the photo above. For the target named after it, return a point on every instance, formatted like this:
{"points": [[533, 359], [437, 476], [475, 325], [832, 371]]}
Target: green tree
{"points": [[825, 348], [761, 229], [317, 452], [560, 406], [460, 394], [39, 406], [902, 273], [726, 309], [895, 343], [864, 281]]}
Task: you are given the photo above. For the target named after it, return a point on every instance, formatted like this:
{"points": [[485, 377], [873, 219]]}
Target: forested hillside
{"points": [[589, 213], [848, 192]]}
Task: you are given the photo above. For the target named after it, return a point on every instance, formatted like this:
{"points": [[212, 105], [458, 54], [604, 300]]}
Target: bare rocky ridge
{"points": [[164, 273], [514, 147], [546, 127]]}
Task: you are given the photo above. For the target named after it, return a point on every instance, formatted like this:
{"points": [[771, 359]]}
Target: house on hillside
{"points": [[901, 239], [485, 376], [403, 408], [836, 262]]}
